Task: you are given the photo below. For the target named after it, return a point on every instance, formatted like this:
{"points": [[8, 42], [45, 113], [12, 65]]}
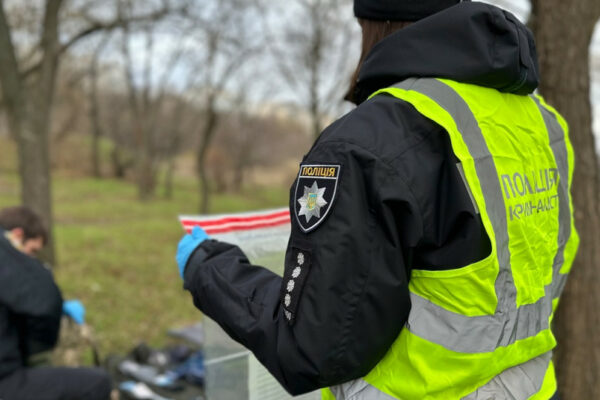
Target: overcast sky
{"points": [[521, 8]]}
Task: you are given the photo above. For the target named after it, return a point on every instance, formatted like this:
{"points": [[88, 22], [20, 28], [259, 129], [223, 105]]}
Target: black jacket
{"points": [[30, 308], [399, 204]]}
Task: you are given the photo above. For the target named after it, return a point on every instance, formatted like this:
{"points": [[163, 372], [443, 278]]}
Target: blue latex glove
{"points": [[187, 245], [75, 310]]}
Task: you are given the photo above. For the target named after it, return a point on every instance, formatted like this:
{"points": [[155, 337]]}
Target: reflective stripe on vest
{"points": [[503, 337], [520, 382]]}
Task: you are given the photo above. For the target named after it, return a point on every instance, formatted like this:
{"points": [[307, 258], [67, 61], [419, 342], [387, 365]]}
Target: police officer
{"points": [[432, 226], [30, 311]]}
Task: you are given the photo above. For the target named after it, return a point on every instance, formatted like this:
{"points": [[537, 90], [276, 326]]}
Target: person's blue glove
{"points": [[187, 245], [75, 310]]}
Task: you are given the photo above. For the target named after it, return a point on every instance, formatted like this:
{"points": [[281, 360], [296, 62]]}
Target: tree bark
{"points": [[314, 64], [121, 163], [170, 171], [564, 31], [95, 119], [28, 109], [145, 165], [206, 135], [95, 110], [173, 147], [28, 94]]}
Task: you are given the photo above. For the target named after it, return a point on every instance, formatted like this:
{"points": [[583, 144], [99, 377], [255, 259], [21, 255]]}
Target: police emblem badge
{"points": [[315, 191]]}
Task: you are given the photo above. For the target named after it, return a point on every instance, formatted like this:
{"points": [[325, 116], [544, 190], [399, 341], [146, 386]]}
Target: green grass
{"points": [[116, 254]]}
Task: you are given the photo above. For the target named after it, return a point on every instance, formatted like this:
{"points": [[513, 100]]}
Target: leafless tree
{"points": [[248, 140], [146, 101], [116, 121], [28, 79], [68, 107], [226, 42], [94, 106], [239, 143], [180, 109], [564, 31], [314, 53]]}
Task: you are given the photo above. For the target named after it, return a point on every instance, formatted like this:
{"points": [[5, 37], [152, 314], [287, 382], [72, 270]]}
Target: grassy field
{"points": [[116, 254]]}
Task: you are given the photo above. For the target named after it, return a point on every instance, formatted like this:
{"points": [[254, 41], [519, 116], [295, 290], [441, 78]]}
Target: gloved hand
{"points": [[75, 310], [187, 245]]}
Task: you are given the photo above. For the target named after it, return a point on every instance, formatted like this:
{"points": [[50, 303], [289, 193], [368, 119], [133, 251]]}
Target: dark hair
{"points": [[26, 219], [372, 32]]}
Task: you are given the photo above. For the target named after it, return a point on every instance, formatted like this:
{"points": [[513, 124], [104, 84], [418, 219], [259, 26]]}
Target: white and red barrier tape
{"points": [[218, 224]]}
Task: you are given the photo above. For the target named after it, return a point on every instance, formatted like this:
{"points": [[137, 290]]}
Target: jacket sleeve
{"points": [[29, 292], [350, 300]]}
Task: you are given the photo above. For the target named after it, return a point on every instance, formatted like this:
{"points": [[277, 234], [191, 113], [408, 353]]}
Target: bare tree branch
{"points": [[9, 70], [98, 26]]}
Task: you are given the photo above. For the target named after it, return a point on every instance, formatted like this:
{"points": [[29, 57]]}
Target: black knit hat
{"points": [[399, 10]]}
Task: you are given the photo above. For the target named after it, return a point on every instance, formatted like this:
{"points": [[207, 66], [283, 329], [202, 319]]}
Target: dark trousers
{"points": [[49, 383], [555, 397]]}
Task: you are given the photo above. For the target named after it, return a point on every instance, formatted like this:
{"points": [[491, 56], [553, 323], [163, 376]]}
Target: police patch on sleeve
{"points": [[315, 191]]}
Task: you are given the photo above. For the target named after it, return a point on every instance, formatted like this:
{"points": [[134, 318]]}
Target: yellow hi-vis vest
{"points": [[483, 331]]}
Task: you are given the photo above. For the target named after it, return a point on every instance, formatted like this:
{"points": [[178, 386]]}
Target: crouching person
{"points": [[31, 307]]}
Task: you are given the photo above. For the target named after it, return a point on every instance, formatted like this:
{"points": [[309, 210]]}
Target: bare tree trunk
{"points": [[314, 61], [314, 109], [243, 158], [28, 94], [171, 154], [204, 192], [95, 110], [95, 119], [120, 163], [240, 167], [146, 173], [207, 134], [145, 168], [146, 109], [28, 111], [168, 188], [42, 104], [564, 31], [149, 163], [173, 147]]}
